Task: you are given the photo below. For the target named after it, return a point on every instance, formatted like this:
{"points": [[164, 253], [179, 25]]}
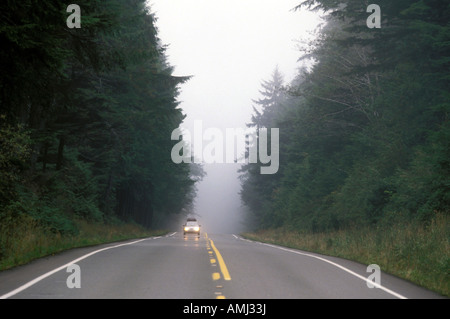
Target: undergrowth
{"points": [[27, 239], [416, 252]]}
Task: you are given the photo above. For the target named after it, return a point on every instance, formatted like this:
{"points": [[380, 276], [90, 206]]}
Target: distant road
{"points": [[209, 267]]}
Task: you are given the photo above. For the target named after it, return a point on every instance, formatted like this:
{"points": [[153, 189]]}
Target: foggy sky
{"points": [[230, 47]]}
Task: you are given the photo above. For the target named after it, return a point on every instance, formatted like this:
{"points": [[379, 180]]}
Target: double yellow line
{"points": [[222, 265]]}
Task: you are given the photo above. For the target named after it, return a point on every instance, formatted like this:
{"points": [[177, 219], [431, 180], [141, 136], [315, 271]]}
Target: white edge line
{"points": [[36, 280], [332, 263]]}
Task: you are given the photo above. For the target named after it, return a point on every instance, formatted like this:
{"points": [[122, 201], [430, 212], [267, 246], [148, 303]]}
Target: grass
{"points": [[29, 241], [418, 253]]}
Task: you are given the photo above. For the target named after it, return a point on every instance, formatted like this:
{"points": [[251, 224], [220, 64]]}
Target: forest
{"points": [[364, 130], [85, 120], [87, 110]]}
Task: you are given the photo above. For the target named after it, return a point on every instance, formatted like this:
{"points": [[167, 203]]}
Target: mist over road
{"points": [[218, 203], [209, 267]]}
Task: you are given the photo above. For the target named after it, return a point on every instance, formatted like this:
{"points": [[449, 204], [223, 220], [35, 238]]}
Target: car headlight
{"points": [[186, 228], [196, 228]]}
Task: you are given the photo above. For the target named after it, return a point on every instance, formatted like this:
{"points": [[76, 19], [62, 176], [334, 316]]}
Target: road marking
{"points": [[216, 276], [48, 274], [219, 295], [223, 267], [331, 263]]}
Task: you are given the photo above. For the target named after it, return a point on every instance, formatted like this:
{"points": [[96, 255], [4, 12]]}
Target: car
{"points": [[191, 227]]}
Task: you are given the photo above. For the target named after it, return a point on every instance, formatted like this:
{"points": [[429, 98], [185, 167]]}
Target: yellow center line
{"points": [[223, 267]]}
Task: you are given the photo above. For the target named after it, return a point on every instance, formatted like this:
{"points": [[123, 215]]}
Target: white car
{"points": [[191, 227]]}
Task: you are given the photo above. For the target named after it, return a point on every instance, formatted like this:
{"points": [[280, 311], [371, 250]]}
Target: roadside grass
{"points": [[29, 241], [418, 253]]}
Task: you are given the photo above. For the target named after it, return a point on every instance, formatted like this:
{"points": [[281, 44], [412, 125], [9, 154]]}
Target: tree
{"points": [[95, 106], [365, 130], [257, 189]]}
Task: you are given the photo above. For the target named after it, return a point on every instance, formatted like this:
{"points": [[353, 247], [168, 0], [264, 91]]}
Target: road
{"points": [[210, 267]]}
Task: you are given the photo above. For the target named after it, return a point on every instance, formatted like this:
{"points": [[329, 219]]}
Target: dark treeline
{"points": [[364, 134], [86, 116]]}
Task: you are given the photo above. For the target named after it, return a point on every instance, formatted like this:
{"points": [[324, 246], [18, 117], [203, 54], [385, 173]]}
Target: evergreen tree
{"points": [[94, 108], [366, 130]]}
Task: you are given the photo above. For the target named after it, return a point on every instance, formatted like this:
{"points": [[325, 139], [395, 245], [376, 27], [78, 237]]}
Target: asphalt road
{"points": [[209, 267]]}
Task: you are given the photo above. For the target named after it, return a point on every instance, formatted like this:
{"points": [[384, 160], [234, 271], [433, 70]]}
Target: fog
{"points": [[218, 205], [229, 47]]}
